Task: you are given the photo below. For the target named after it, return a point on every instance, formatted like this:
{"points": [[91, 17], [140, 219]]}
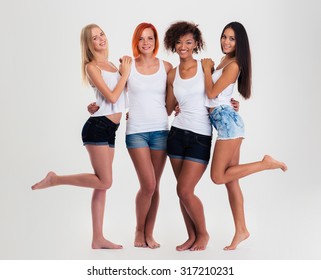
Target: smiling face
{"points": [[185, 45], [146, 43], [98, 39], [228, 41]]}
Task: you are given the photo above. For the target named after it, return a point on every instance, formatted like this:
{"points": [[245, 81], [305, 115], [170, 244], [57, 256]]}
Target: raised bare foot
{"points": [[46, 182], [140, 239], [237, 239], [103, 243], [186, 245], [151, 243], [274, 164], [200, 242]]}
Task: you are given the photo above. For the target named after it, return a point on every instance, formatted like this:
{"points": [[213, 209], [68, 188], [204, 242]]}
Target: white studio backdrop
{"points": [[44, 106]]}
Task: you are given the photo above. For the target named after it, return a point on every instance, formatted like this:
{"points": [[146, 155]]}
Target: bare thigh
{"points": [[101, 158]]}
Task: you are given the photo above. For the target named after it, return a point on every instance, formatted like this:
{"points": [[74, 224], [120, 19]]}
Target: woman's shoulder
{"points": [[171, 74], [232, 66], [168, 66]]}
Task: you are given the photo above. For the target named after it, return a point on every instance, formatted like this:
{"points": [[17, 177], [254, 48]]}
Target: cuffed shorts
{"points": [[188, 145], [155, 140], [99, 131]]}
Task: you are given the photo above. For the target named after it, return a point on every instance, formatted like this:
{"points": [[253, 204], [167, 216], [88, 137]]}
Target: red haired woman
{"points": [[147, 127]]}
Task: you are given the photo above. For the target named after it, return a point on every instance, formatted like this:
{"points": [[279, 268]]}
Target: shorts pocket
{"points": [[237, 119], [204, 141]]}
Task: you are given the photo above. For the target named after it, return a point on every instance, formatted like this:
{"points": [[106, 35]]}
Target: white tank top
{"points": [[106, 108], [190, 94], [146, 94], [224, 98]]}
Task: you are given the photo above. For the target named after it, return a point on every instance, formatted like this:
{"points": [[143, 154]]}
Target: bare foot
{"points": [[104, 244], [237, 239], [46, 182], [274, 164], [186, 245], [140, 239], [200, 242], [151, 243]]}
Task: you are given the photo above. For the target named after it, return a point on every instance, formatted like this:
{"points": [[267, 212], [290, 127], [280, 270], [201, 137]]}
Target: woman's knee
{"points": [[217, 179], [184, 194], [148, 188], [106, 184]]}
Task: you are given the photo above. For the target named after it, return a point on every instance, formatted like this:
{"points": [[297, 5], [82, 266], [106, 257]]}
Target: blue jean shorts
{"points": [[155, 140], [99, 131], [188, 145], [227, 122]]}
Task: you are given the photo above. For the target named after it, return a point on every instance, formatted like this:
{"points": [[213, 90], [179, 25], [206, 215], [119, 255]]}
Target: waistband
{"points": [[106, 121]]}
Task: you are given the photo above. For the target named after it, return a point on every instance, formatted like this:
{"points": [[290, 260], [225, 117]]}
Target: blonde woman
{"points": [[99, 132]]}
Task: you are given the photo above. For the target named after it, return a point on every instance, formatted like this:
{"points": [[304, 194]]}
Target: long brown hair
{"points": [[243, 57]]}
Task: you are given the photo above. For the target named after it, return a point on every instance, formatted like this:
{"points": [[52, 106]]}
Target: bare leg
{"points": [[98, 209], [237, 206], [222, 172], [101, 159], [189, 175], [149, 166], [102, 180], [236, 203], [191, 231], [177, 167], [158, 159]]}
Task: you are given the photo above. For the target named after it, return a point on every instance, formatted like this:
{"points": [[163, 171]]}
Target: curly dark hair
{"points": [[181, 28]]}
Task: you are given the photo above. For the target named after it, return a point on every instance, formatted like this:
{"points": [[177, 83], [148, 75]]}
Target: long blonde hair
{"points": [[88, 53]]}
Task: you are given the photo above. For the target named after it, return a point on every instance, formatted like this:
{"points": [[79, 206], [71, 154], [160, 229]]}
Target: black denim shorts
{"points": [[188, 145], [99, 131]]}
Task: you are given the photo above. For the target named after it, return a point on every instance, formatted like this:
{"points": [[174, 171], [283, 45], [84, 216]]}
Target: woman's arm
{"points": [[208, 66], [229, 76], [96, 79], [170, 98]]}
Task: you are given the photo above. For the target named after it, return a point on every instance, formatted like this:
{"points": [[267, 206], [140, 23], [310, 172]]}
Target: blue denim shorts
{"points": [[188, 145], [155, 140], [99, 131], [227, 122]]}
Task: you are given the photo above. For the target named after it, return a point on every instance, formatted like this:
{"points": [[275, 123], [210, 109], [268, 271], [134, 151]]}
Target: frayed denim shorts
{"points": [[99, 131], [188, 145], [227, 122], [155, 140]]}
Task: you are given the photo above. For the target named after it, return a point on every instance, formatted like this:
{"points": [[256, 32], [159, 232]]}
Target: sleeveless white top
{"points": [[224, 98], [105, 107], [190, 95], [146, 94]]}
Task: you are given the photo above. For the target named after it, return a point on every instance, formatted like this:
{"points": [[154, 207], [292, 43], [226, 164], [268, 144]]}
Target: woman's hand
{"points": [[125, 65], [235, 104], [177, 110], [208, 64], [92, 108]]}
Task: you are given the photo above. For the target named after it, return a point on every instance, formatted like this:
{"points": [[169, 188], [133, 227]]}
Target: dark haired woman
{"points": [[190, 137], [225, 168]]}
